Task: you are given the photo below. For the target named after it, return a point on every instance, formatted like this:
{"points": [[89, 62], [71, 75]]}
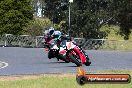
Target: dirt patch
{"points": [[29, 77], [9, 78]]}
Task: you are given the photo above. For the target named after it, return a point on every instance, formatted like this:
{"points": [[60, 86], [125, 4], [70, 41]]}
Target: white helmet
{"points": [[51, 31]]}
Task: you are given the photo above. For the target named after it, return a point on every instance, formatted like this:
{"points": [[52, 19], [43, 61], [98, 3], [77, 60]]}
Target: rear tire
{"points": [[74, 60], [88, 62]]}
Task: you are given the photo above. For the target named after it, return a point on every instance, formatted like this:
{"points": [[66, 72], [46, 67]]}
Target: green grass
{"points": [[115, 41], [57, 81], [117, 45], [113, 32]]}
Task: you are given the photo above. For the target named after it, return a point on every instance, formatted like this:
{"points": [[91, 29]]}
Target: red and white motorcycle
{"points": [[54, 51], [68, 51]]}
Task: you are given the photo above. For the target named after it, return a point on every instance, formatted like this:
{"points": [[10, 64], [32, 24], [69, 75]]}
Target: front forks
{"points": [[81, 55]]}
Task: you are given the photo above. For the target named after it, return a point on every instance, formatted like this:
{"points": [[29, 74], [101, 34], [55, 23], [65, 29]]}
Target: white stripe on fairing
{"points": [[5, 64]]}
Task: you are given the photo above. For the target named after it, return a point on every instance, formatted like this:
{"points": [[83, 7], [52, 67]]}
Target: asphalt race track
{"points": [[34, 61]]}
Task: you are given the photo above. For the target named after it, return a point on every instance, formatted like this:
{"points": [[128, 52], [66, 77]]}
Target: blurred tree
{"points": [[37, 26], [14, 15], [56, 10], [87, 16], [125, 17]]}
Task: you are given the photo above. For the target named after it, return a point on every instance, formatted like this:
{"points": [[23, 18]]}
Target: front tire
{"points": [[74, 60], [61, 57], [52, 53]]}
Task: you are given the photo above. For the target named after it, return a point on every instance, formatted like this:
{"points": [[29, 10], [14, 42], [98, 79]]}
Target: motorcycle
{"points": [[69, 52], [63, 53], [54, 51]]}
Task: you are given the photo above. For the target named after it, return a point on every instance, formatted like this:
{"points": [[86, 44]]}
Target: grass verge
{"points": [[56, 81]]}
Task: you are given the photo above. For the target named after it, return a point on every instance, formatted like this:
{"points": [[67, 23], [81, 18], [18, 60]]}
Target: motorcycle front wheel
{"points": [[74, 60], [61, 57]]}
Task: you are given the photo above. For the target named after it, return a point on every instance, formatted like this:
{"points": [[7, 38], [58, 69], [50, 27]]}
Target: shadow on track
{"points": [[53, 62], [62, 63], [56, 62], [70, 66]]}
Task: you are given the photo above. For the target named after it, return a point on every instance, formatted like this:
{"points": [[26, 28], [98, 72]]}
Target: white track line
{"points": [[5, 64]]}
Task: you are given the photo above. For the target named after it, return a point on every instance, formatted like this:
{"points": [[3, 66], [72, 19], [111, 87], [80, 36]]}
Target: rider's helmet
{"points": [[51, 31]]}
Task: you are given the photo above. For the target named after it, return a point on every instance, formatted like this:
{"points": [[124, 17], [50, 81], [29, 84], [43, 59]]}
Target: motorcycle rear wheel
{"points": [[88, 62]]}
